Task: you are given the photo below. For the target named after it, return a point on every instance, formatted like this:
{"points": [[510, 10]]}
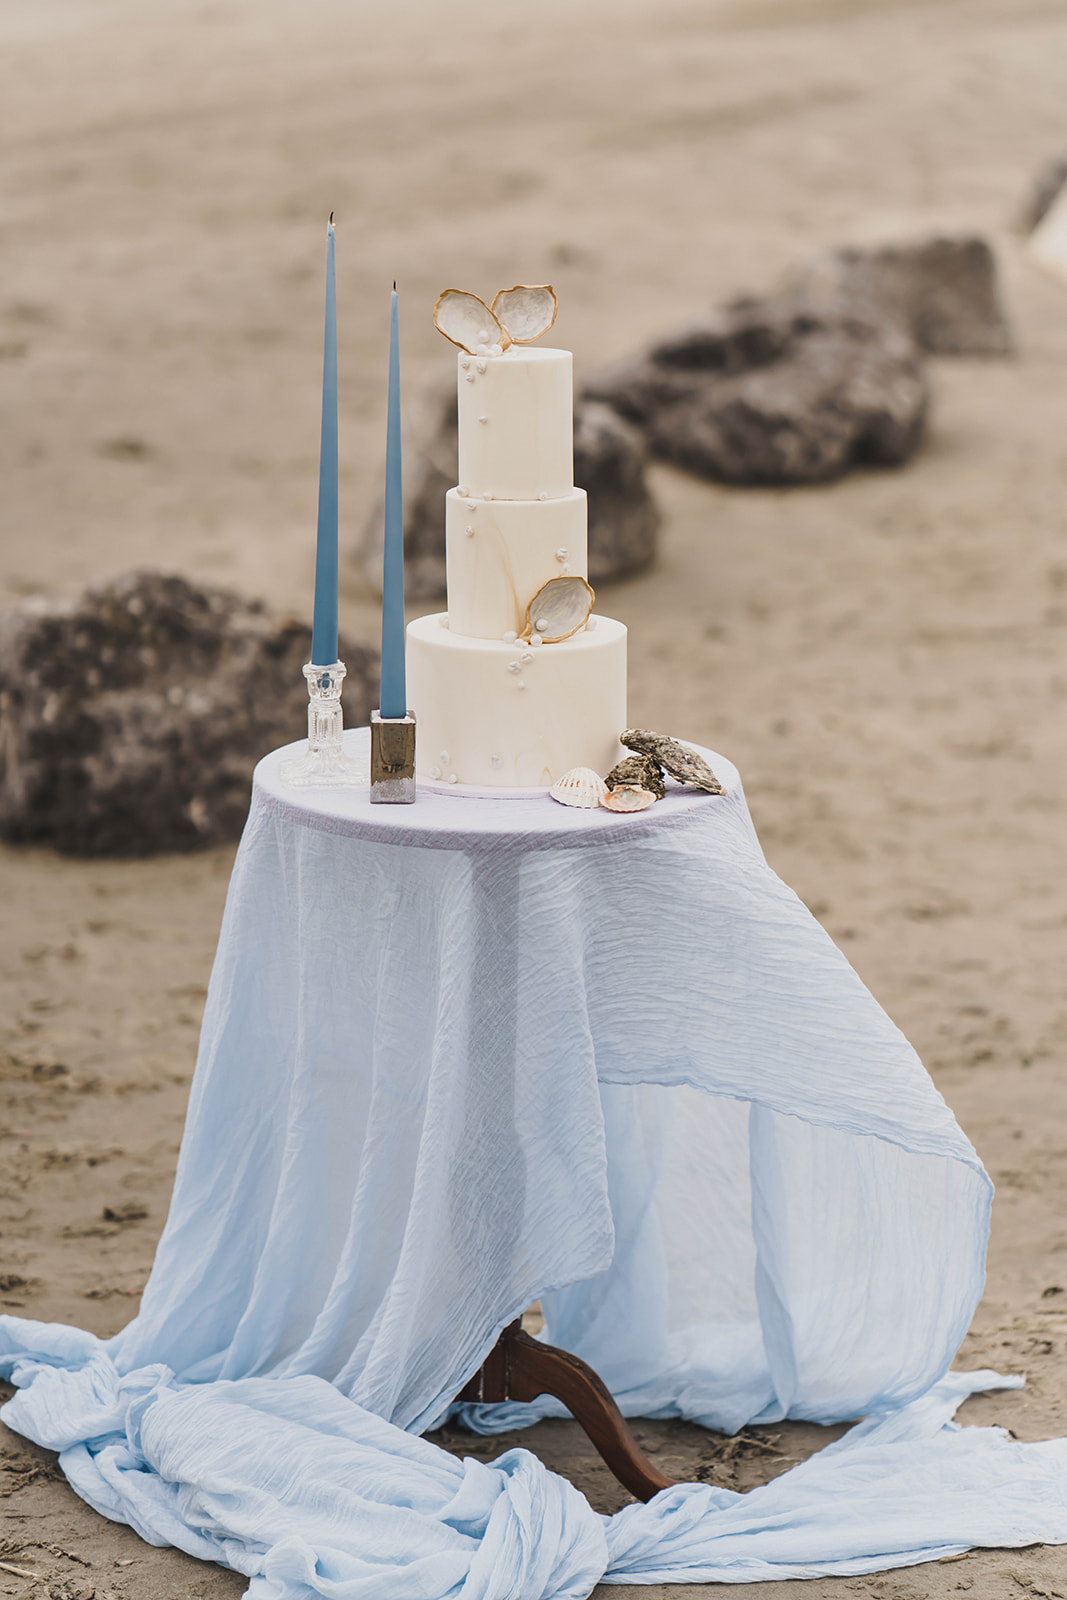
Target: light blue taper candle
{"points": [[324, 627], [394, 694]]}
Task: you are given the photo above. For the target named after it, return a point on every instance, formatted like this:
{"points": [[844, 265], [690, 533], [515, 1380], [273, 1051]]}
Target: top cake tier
{"points": [[516, 430]]}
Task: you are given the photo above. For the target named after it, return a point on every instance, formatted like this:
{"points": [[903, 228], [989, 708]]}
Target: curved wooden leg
{"points": [[521, 1368]]}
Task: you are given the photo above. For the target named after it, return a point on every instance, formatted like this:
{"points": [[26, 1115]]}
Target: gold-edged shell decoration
{"points": [[628, 797], [527, 311], [641, 770], [677, 759], [559, 608], [581, 786], [470, 323]]}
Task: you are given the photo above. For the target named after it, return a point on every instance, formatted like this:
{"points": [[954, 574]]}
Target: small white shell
{"points": [[628, 797], [581, 786], [558, 609], [527, 311], [468, 322]]}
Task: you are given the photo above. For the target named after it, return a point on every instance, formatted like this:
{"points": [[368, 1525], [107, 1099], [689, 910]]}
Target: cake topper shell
{"points": [[640, 769], [469, 322], [581, 786], [527, 311], [628, 797], [558, 609], [681, 762]]}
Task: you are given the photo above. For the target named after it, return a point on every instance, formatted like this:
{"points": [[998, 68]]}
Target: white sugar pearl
{"points": [[480, 365], [541, 625], [527, 655], [542, 497], [537, 639], [443, 620], [472, 505], [510, 636], [483, 334], [435, 772], [520, 684], [470, 377], [464, 362], [483, 419], [469, 531], [452, 778], [562, 554], [496, 761], [513, 666], [463, 491], [565, 570], [443, 758]]}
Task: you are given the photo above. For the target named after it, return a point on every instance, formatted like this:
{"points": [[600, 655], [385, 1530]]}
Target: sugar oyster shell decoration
{"points": [[581, 786], [527, 311], [628, 797], [641, 770], [558, 609], [467, 321], [677, 759]]}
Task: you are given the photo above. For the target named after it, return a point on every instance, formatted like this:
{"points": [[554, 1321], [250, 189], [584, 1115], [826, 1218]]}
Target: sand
{"points": [[885, 659]]}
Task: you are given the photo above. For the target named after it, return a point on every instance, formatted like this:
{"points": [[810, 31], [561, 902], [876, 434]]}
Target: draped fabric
{"points": [[465, 1054]]}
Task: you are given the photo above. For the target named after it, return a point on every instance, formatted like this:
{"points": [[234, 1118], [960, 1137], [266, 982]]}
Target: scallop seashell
{"points": [[527, 311], [581, 786], [468, 322], [628, 797], [558, 609]]}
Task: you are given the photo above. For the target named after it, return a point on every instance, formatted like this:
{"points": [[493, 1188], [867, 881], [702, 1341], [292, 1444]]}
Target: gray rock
{"points": [[775, 392], [943, 292], [130, 720], [610, 461], [1050, 180]]}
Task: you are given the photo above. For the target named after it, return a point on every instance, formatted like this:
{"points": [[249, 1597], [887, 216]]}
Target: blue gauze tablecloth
{"points": [[466, 1054]]}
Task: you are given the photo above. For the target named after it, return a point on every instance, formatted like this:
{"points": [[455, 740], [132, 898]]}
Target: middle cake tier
{"points": [[499, 553]]}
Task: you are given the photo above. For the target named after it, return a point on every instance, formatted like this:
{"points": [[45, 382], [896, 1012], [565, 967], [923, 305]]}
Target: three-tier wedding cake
{"points": [[518, 681]]}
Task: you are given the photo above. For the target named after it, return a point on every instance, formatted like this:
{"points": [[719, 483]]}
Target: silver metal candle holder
{"points": [[392, 759], [325, 764]]}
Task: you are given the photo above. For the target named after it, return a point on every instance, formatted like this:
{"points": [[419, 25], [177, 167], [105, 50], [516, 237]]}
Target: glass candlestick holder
{"points": [[324, 764]]}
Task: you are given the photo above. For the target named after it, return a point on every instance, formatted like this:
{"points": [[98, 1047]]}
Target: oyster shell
{"points": [[527, 311], [681, 762], [469, 322], [558, 609], [642, 770], [628, 797], [581, 786]]}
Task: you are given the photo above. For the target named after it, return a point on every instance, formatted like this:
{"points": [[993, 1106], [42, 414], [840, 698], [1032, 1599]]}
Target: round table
{"points": [[468, 1053]]}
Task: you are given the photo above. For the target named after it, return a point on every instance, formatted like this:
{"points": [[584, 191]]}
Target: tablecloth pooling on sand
{"points": [[466, 1054]]}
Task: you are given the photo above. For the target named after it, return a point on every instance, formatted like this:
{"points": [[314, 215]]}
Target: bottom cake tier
{"points": [[515, 716]]}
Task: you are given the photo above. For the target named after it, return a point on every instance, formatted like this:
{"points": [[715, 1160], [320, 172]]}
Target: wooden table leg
{"points": [[521, 1368]]}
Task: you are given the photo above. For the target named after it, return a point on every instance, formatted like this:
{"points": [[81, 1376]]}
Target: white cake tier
{"points": [[500, 552], [516, 428], [514, 716]]}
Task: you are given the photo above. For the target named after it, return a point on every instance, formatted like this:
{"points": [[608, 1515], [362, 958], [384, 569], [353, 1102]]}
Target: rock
{"points": [[1050, 180], [775, 392], [610, 460], [130, 720], [943, 292]]}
